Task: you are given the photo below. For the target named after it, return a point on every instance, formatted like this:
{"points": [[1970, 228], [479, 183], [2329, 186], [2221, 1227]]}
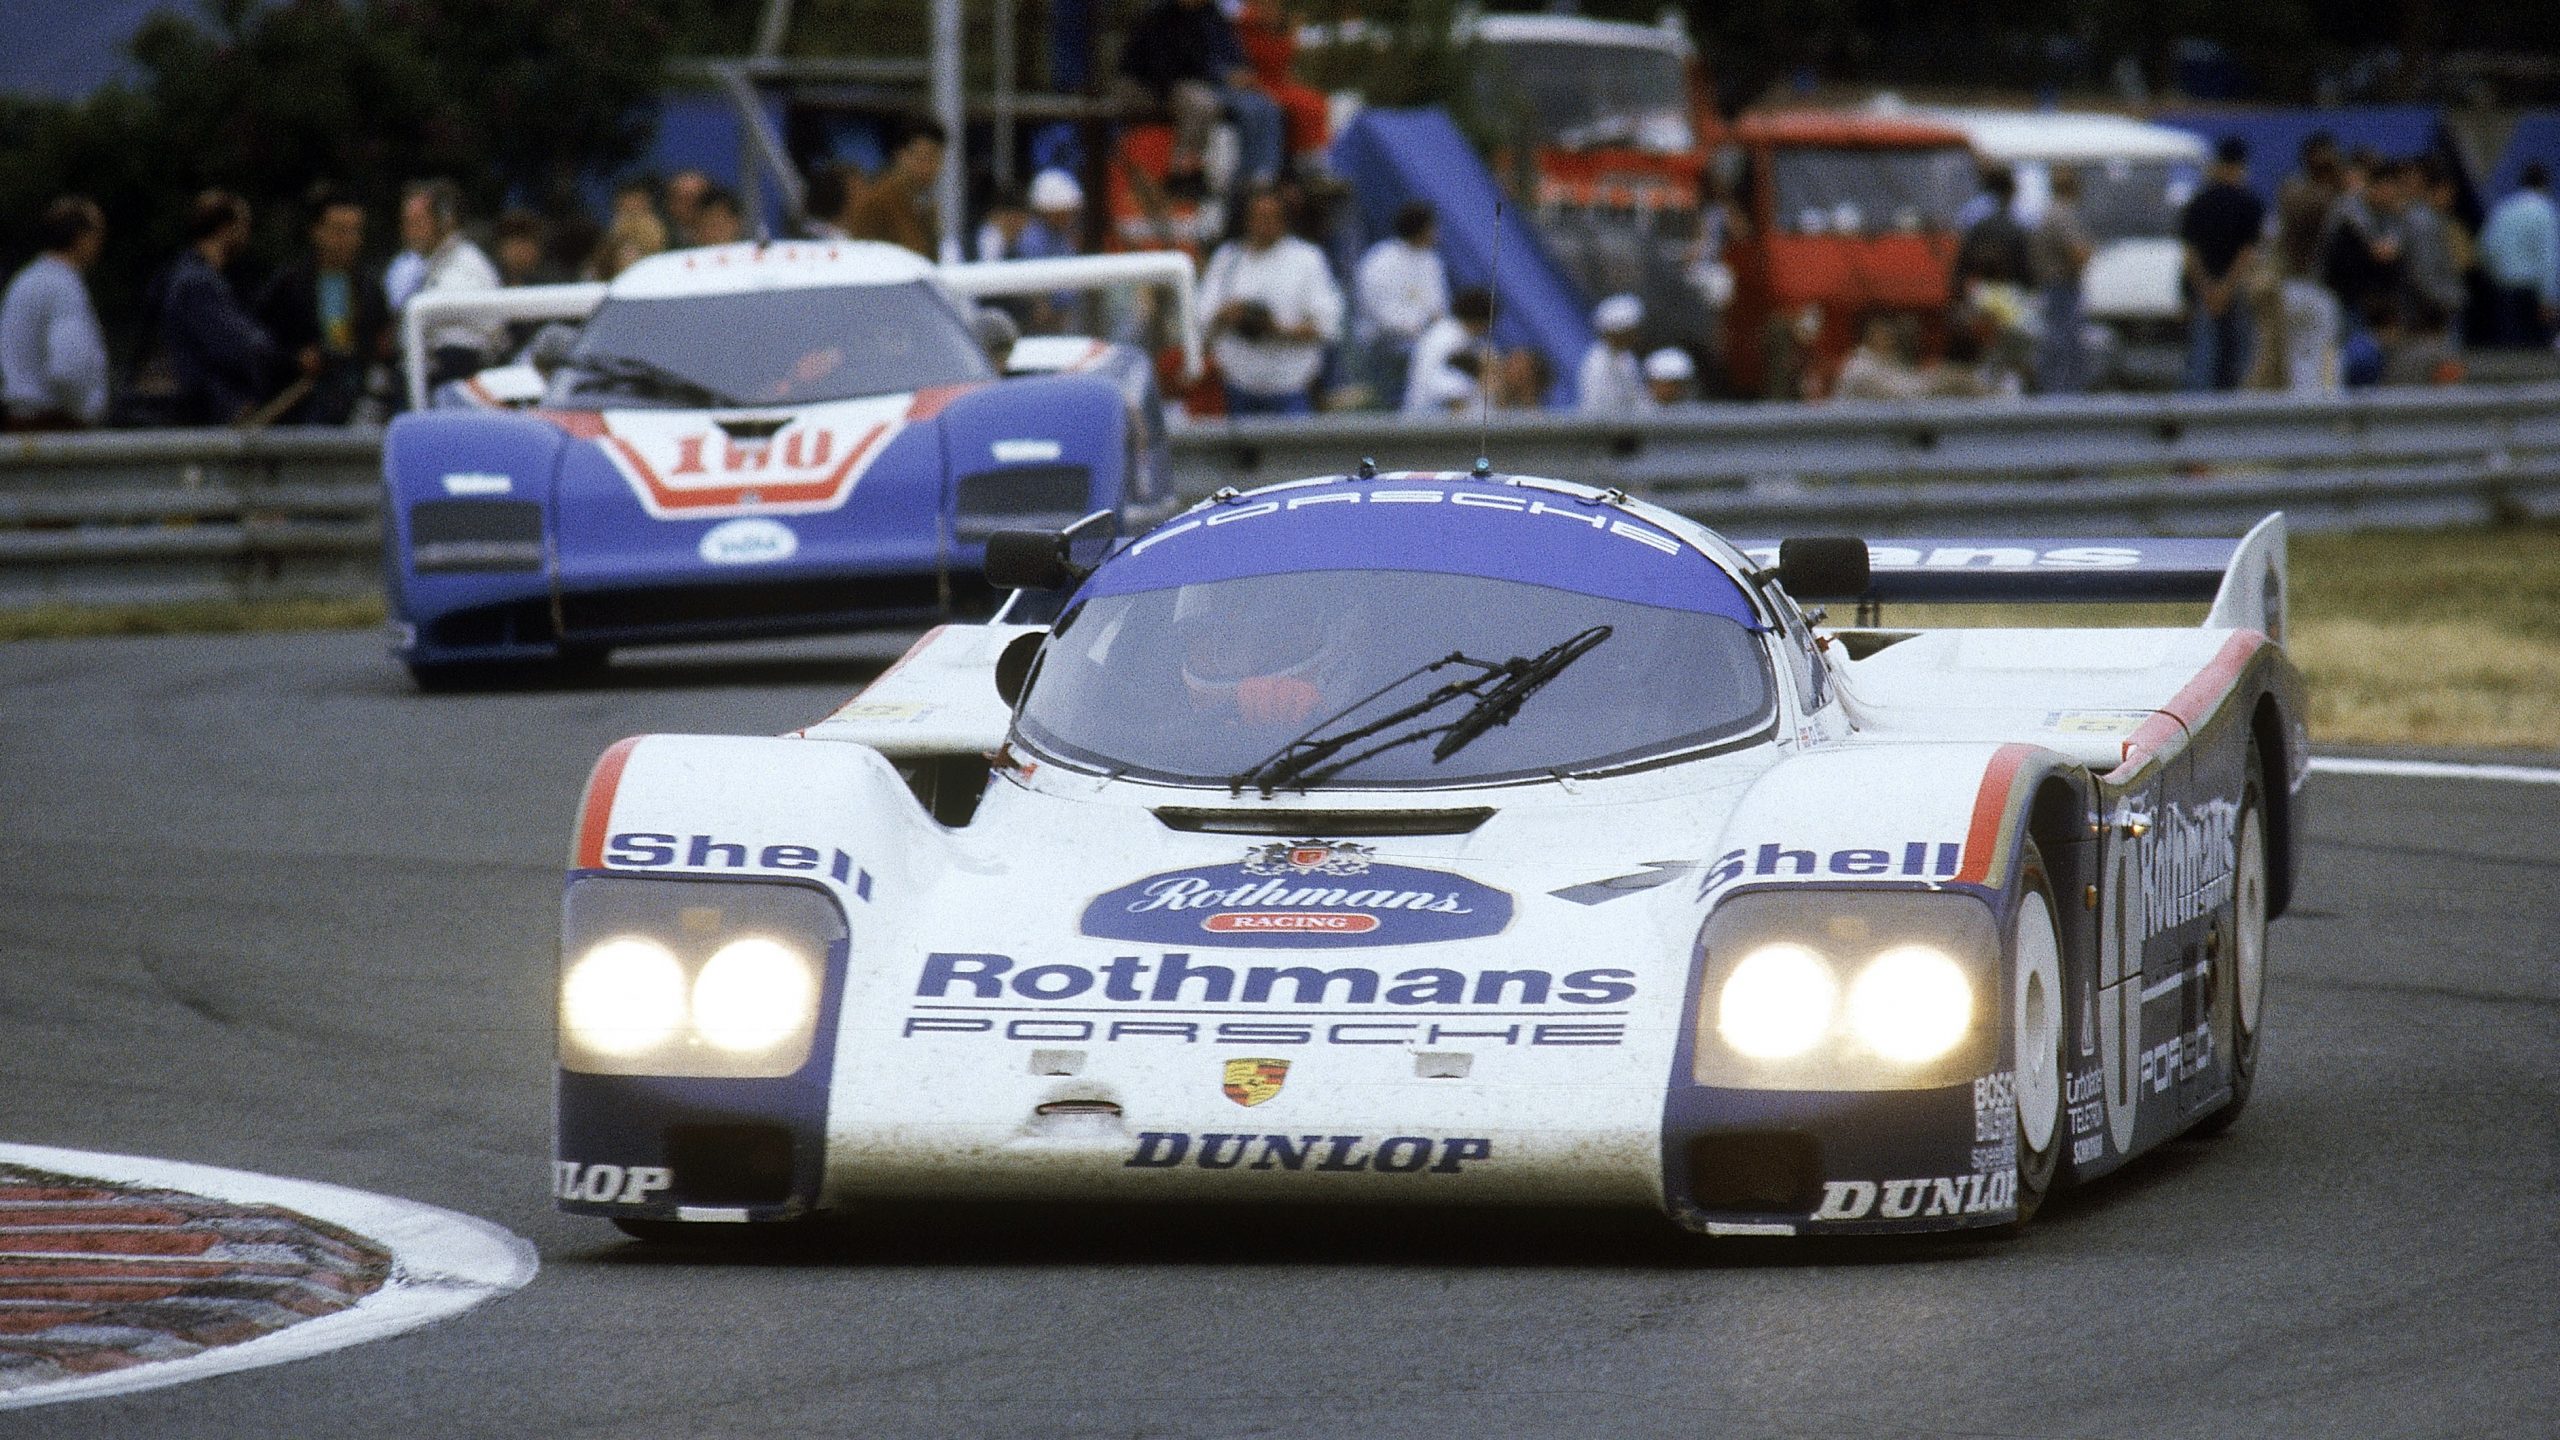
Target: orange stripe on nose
{"points": [[595, 815]]}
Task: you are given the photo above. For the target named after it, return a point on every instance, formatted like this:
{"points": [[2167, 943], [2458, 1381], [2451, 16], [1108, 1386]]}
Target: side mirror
{"points": [[1030, 560], [1823, 567], [1013, 665]]}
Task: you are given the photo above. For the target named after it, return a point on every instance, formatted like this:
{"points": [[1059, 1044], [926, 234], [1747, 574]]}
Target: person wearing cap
{"points": [[1055, 230], [1612, 379], [1667, 376]]}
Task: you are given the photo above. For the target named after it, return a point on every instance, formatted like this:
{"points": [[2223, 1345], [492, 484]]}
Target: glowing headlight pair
{"points": [[629, 994], [1911, 1003]]}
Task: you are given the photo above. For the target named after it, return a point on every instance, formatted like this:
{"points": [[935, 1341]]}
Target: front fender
{"points": [[465, 500], [1035, 453], [1873, 833]]}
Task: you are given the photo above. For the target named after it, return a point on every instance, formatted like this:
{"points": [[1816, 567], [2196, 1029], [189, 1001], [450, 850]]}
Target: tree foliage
{"points": [[517, 102]]}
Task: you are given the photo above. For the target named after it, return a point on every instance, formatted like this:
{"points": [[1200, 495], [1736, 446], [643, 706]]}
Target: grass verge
{"points": [[194, 617]]}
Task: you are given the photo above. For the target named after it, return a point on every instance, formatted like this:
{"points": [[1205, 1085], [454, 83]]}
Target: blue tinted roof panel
{"points": [[1448, 526]]}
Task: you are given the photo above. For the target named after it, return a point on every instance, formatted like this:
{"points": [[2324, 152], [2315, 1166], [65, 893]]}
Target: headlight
{"points": [[1822, 989], [753, 994], [1911, 1003], [694, 977], [1777, 1002], [623, 996]]}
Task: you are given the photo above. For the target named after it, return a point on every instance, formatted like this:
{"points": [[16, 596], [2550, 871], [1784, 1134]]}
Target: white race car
{"points": [[1454, 838]]}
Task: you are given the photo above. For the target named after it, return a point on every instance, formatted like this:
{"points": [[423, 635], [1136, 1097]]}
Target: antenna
{"points": [[1484, 371]]}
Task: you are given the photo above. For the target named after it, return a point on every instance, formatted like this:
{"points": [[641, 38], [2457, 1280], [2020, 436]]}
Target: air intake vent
{"points": [[461, 535], [1023, 497], [1324, 822]]}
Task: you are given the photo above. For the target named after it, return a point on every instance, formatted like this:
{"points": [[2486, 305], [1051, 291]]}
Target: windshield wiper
{"points": [[637, 371], [1498, 691], [1304, 753], [1520, 680]]}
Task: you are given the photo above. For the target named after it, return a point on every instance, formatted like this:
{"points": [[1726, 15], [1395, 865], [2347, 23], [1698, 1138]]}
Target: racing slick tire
{"points": [[2240, 971], [2036, 1008]]}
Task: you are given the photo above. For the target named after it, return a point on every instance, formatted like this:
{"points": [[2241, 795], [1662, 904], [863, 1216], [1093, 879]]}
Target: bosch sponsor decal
{"points": [[1911, 859], [655, 850], [752, 541], [1923, 1197], [1300, 894], [1394, 1155], [1251, 1081], [1527, 506], [1995, 1107], [607, 1184], [683, 466]]}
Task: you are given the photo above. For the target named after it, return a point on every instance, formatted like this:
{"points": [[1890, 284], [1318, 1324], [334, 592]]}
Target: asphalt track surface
{"points": [[262, 907]]}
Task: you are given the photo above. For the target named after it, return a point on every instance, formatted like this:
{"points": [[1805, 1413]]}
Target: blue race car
{"points": [[750, 440]]}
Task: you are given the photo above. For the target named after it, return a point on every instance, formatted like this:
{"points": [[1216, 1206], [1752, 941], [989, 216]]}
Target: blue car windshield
{"points": [[768, 347], [1202, 682]]}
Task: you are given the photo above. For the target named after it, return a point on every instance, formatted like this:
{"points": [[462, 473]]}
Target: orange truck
{"points": [[1829, 217], [1839, 218]]}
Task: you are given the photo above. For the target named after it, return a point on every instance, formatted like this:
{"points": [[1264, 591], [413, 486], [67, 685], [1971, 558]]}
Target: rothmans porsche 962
{"points": [[1455, 838], [751, 439]]}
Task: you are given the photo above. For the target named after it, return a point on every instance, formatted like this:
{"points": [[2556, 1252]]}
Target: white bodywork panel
{"points": [[942, 1065]]}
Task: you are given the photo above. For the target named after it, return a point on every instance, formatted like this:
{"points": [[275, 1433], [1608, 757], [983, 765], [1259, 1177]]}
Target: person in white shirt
{"points": [[1402, 290], [1437, 384], [431, 225], [53, 360], [1272, 307], [1668, 375], [1612, 381]]}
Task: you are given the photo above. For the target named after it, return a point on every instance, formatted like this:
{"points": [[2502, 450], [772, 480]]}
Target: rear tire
{"points": [[2240, 975], [2036, 1008]]}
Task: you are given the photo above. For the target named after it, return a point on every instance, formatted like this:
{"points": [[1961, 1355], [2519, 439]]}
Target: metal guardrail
{"points": [[166, 515]]}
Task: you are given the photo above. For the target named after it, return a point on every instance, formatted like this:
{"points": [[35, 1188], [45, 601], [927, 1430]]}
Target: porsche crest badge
{"points": [[1250, 1082]]}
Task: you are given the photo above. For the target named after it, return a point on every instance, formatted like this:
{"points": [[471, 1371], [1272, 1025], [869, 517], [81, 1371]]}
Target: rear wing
{"points": [[425, 314], [1171, 269], [2244, 578]]}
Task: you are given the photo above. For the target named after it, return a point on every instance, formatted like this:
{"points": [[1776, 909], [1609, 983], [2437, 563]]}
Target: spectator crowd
{"points": [[2357, 271]]}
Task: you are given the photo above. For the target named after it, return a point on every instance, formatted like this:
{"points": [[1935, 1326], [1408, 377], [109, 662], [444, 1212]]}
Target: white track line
{"points": [[2434, 770], [442, 1263]]}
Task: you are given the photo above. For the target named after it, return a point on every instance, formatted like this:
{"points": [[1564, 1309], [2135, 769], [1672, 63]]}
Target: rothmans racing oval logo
{"points": [[1300, 893]]}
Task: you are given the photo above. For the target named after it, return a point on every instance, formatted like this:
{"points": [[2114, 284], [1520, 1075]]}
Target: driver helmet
{"points": [[1255, 651]]}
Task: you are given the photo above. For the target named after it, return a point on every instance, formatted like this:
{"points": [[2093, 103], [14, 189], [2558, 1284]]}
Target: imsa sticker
{"points": [[1300, 893]]}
